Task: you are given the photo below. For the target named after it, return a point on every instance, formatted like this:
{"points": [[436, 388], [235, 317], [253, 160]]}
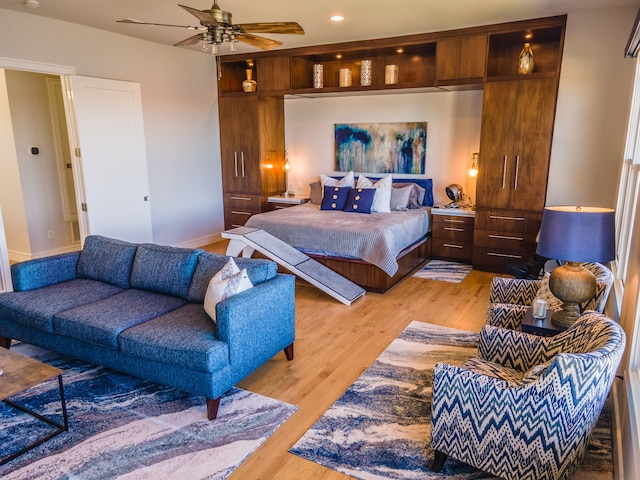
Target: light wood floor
{"points": [[334, 345]]}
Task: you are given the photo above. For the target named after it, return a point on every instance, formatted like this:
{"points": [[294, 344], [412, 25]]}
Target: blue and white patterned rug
{"points": [[444, 271], [380, 427], [124, 427]]}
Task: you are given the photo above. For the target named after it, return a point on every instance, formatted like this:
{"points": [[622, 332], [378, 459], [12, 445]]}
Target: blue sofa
{"points": [[139, 309]]}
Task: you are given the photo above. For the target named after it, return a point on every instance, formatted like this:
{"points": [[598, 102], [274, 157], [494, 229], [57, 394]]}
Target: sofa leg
{"points": [[212, 408], [288, 352], [5, 342], [438, 461]]}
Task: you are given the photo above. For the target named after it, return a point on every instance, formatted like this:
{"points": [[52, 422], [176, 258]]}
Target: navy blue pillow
{"points": [[360, 200], [334, 198]]}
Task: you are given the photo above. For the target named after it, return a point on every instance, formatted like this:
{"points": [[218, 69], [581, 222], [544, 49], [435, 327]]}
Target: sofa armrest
{"points": [[506, 315], [518, 291], [41, 272], [257, 323], [512, 349]]}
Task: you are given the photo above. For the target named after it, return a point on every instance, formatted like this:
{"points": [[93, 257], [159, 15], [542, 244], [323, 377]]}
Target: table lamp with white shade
{"points": [[574, 234]]}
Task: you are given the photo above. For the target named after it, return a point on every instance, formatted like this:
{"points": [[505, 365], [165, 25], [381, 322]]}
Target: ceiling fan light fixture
{"points": [[336, 18]]}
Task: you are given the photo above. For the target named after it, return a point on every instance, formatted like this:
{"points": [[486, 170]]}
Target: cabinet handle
{"points": [[454, 229], [241, 213], [235, 162], [242, 159], [515, 180], [451, 245], [494, 254], [504, 171], [505, 237], [240, 198], [498, 217], [453, 221]]}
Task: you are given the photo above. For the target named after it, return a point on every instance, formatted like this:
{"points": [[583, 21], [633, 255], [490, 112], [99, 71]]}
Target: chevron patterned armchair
{"points": [[509, 298], [525, 406]]}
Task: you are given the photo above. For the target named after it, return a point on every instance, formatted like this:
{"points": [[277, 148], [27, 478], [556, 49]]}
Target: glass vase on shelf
{"points": [[249, 85], [525, 62]]}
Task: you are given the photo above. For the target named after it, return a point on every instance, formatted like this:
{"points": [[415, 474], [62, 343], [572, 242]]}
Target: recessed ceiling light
{"points": [[336, 18]]}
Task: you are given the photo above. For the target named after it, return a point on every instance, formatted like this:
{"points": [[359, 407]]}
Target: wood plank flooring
{"points": [[334, 344]]}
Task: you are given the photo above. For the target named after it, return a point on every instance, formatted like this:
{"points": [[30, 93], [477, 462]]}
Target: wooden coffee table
{"points": [[20, 373]]}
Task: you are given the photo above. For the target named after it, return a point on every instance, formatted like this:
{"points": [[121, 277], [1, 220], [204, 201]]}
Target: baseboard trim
{"points": [[17, 256], [201, 241]]}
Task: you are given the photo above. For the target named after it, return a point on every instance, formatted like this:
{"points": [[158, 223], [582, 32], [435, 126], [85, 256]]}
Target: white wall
{"points": [[453, 132], [179, 99], [596, 82]]}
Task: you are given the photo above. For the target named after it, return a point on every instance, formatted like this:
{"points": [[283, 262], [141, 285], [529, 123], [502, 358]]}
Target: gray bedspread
{"points": [[377, 238]]}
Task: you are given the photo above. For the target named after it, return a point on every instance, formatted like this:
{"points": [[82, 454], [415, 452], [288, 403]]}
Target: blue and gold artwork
{"points": [[381, 147]]}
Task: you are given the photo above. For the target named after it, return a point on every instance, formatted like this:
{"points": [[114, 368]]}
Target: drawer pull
{"points": [[277, 207], [236, 225], [454, 229], [451, 245], [498, 217], [505, 237], [494, 254], [453, 221], [246, 199], [241, 213]]}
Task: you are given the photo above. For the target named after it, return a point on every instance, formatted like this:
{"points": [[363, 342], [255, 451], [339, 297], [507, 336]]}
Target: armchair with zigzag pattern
{"points": [[524, 408], [509, 298]]}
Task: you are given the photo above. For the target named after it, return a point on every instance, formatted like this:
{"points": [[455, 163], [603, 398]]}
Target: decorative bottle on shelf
{"points": [[525, 62], [249, 85]]}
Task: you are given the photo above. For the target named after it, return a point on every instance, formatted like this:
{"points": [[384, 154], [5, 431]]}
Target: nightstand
{"points": [[280, 201], [543, 327], [452, 233]]}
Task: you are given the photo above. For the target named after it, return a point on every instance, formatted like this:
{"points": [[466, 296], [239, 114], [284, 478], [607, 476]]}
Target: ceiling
{"points": [[364, 19]]}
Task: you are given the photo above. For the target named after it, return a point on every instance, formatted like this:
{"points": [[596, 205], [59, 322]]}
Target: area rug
{"points": [[380, 427], [124, 427], [444, 271]]}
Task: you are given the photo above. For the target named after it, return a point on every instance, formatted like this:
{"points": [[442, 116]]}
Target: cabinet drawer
{"points": [[494, 259], [525, 242], [236, 218], [508, 221], [455, 229], [451, 249], [243, 202]]}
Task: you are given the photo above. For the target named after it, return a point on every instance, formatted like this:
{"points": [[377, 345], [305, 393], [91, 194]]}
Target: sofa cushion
{"points": [[102, 321], [106, 259], [258, 269], [184, 337], [166, 270], [36, 308]]}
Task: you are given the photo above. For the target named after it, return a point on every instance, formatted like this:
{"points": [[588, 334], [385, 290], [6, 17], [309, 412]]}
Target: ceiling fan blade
{"points": [[190, 41], [204, 17], [260, 42], [272, 27], [140, 22]]}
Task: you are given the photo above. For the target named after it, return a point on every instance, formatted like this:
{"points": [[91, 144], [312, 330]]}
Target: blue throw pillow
{"points": [[334, 198], [360, 200]]}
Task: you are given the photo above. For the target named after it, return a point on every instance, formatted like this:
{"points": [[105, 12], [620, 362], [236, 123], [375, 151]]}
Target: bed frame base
{"points": [[372, 278]]}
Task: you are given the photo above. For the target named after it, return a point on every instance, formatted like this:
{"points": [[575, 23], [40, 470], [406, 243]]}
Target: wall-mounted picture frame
{"points": [[381, 147]]}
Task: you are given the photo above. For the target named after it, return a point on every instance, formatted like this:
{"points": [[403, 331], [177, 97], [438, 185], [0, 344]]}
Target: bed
{"points": [[374, 250]]}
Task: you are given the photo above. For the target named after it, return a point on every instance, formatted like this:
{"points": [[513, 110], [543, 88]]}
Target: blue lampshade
{"points": [[577, 234]]}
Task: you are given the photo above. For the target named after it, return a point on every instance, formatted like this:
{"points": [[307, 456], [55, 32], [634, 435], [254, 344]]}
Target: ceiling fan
{"points": [[216, 28]]}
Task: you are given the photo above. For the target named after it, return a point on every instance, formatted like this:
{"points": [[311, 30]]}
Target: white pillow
{"points": [[346, 181], [382, 198], [221, 288], [400, 197]]}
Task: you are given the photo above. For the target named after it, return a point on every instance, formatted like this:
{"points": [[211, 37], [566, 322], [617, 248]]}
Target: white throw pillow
{"points": [[400, 197], [382, 198], [346, 181], [225, 284]]}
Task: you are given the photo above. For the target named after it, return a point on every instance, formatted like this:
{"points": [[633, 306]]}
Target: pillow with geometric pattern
{"points": [[229, 281]]}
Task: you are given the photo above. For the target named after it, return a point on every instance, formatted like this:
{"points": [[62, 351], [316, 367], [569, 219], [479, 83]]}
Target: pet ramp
{"points": [[246, 240]]}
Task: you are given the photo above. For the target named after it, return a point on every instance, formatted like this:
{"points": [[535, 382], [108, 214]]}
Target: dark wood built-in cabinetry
{"points": [[517, 118], [452, 234]]}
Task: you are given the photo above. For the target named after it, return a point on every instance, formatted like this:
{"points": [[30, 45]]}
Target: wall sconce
{"points": [[473, 171]]}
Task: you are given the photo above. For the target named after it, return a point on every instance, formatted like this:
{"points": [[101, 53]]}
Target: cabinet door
{"points": [[496, 144], [533, 130], [461, 57], [239, 144]]}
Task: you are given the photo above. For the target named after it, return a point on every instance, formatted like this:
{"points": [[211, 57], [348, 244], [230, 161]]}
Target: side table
{"points": [[280, 201], [543, 327]]}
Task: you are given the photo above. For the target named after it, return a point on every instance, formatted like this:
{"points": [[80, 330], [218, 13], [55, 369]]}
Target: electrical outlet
{"points": [[50, 234]]}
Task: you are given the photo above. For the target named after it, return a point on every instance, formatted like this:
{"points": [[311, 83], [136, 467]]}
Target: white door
{"points": [[110, 166]]}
